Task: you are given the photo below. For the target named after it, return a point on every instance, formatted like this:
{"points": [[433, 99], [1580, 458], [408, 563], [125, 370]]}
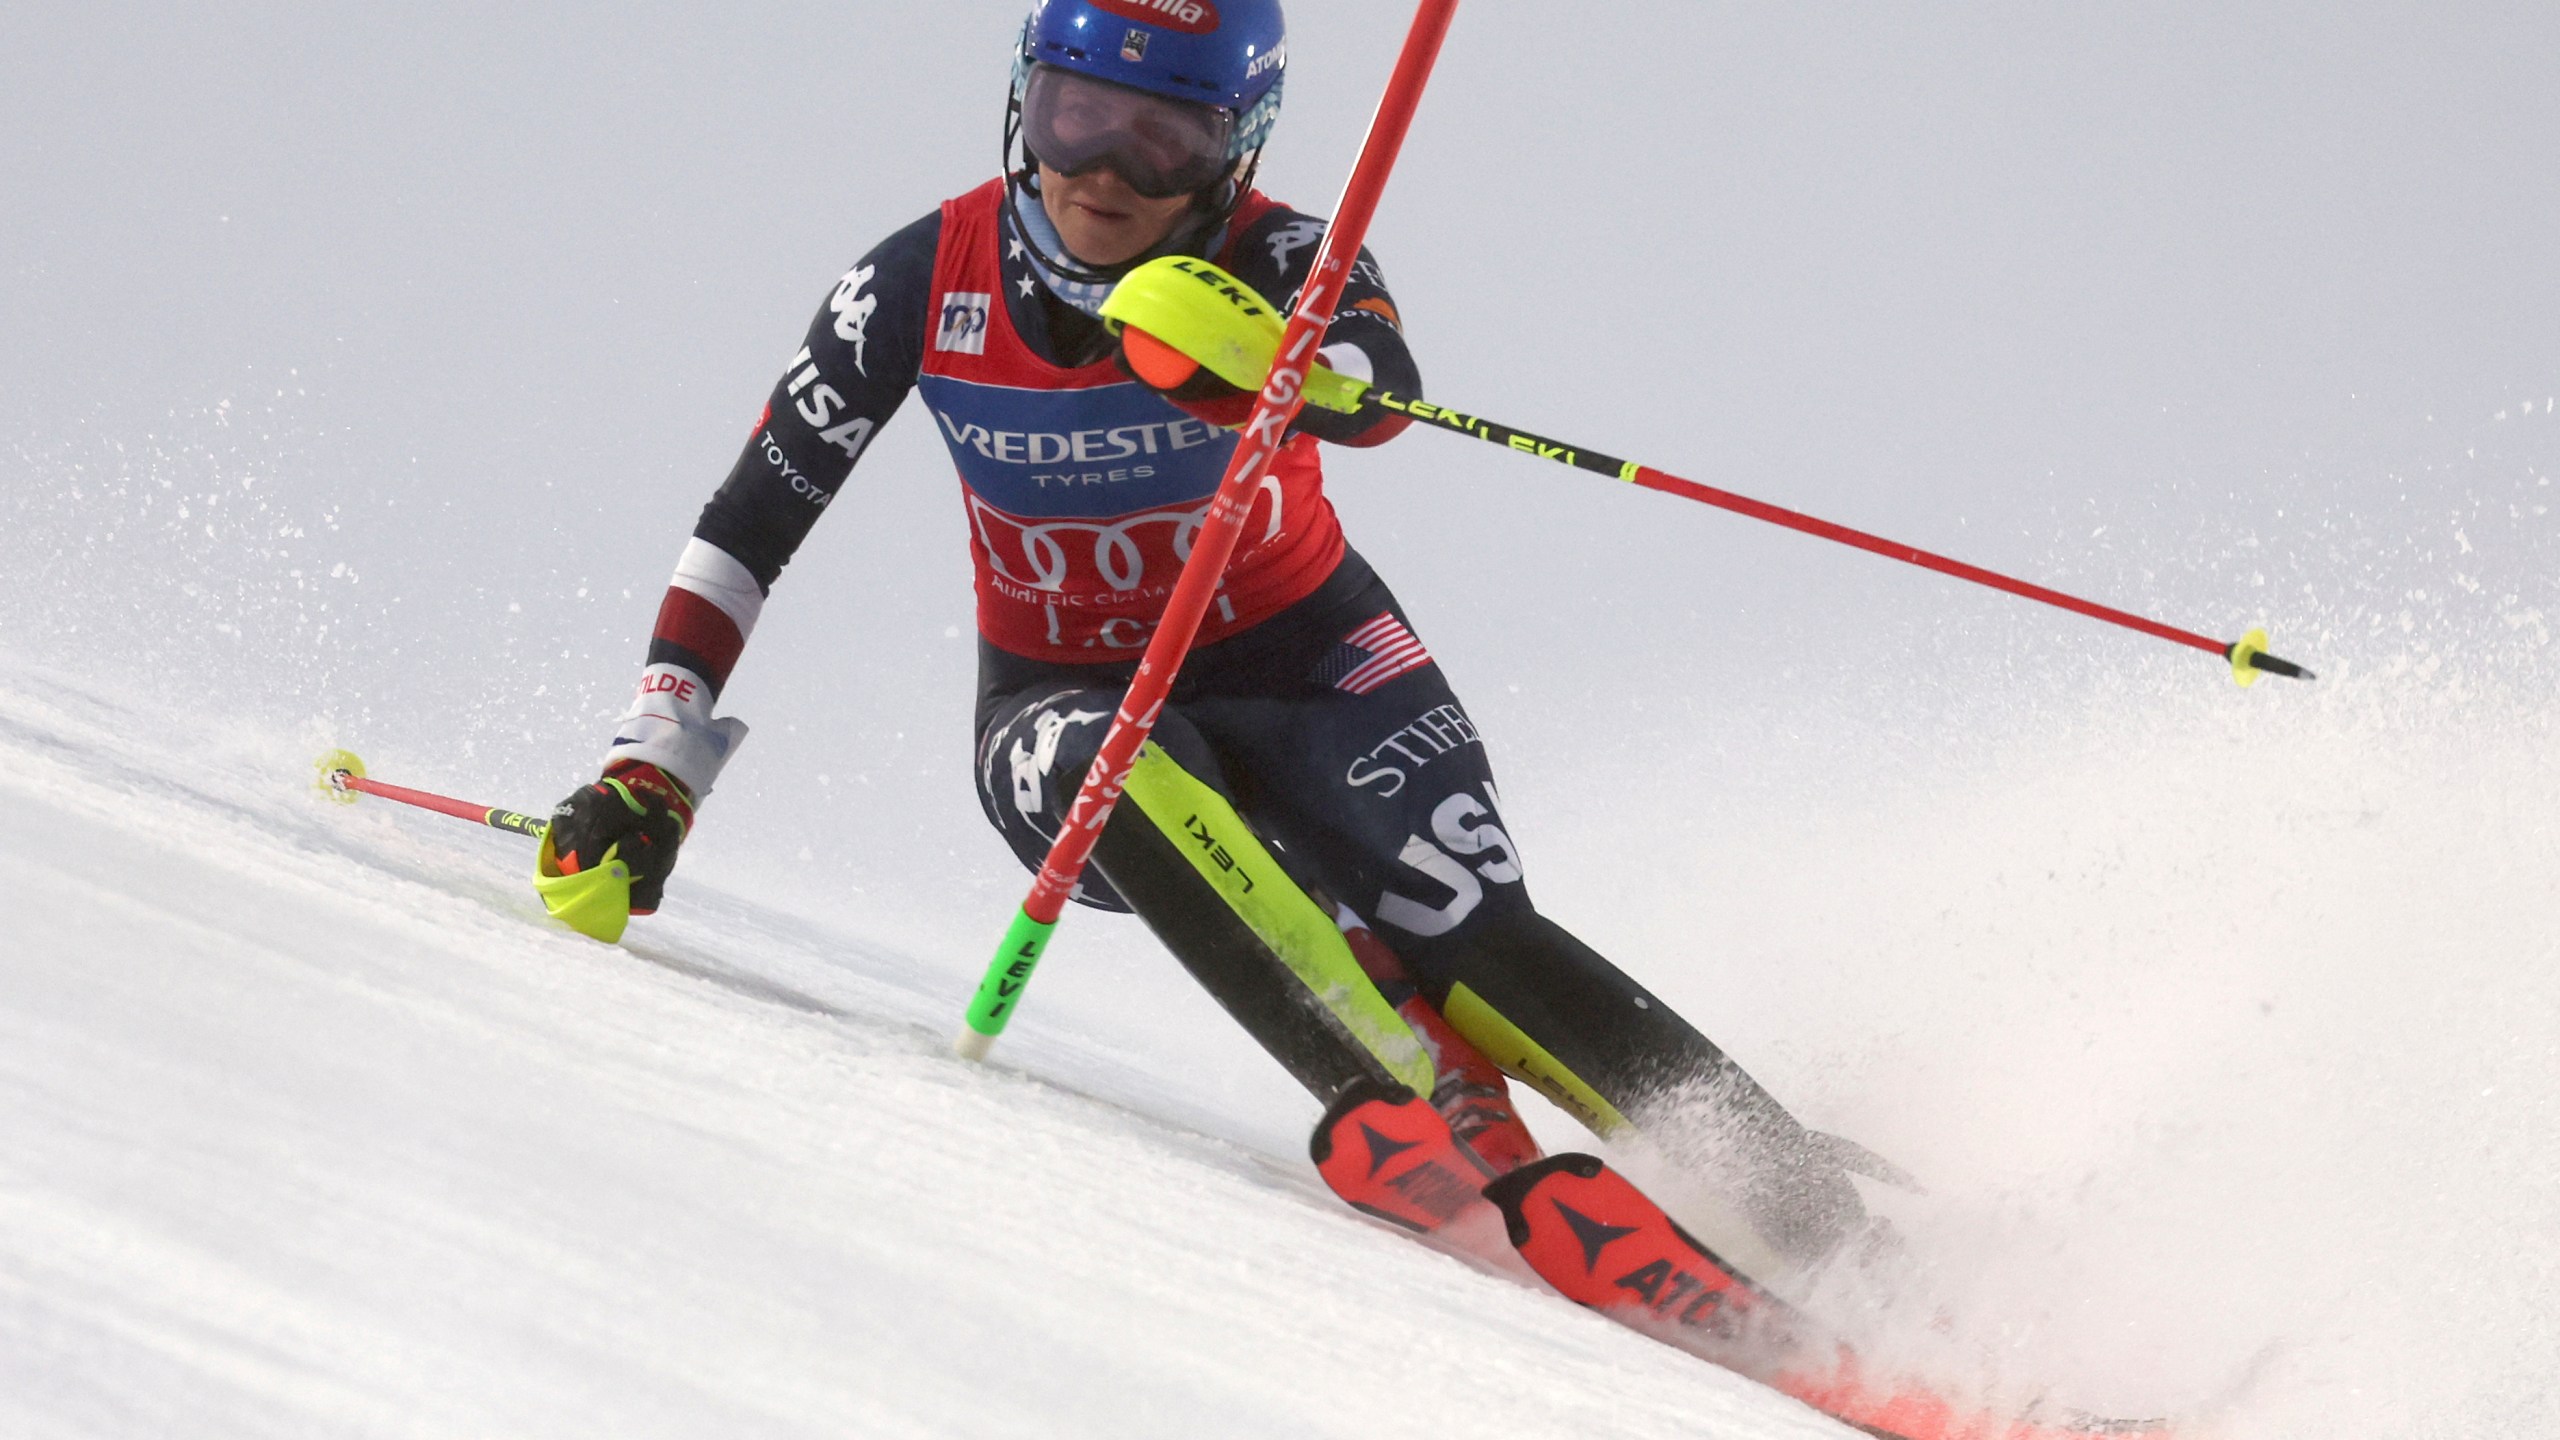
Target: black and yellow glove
{"points": [[611, 846]]}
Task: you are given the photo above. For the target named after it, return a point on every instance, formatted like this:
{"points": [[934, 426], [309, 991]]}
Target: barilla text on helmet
{"points": [[1191, 17]]}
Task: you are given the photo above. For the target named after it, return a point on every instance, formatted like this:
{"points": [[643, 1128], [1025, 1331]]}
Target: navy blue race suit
{"points": [[1322, 716]]}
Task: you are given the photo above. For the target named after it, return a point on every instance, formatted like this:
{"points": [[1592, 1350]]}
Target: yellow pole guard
{"points": [[595, 902], [1218, 320]]}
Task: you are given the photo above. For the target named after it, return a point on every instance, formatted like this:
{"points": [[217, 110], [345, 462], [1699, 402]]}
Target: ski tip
{"points": [[972, 1046], [1389, 1155], [1358, 1095], [1520, 1182], [335, 769], [1510, 1193]]}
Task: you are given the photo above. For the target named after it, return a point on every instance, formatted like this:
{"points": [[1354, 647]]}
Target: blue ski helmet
{"points": [[1229, 53]]}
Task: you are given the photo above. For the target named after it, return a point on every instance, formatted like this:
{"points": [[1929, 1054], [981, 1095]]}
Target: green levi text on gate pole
{"points": [[1005, 981]]}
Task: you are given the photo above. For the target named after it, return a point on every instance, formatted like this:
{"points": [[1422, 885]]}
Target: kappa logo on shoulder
{"points": [[852, 310], [1293, 237], [963, 326]]}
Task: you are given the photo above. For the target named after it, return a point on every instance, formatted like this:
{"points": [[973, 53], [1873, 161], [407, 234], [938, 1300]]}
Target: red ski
{"points": [[1595, 1237], [1387, 1153]]}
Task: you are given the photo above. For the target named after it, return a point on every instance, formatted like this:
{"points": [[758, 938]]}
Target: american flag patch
{"points": [[1371, 655]]}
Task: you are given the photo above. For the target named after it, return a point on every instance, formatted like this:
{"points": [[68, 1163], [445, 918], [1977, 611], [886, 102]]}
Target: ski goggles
{"points": [[1163, 147]]}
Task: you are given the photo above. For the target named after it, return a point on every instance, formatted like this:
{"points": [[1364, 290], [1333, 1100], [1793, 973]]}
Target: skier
{"points": [[1310, 708]]}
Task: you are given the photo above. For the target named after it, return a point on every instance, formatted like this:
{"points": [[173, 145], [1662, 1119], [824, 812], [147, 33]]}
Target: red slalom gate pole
{"points": [[1009, 973]]}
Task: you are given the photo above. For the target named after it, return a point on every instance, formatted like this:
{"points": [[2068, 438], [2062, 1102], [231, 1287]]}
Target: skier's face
{"points": [[1102, 220]]}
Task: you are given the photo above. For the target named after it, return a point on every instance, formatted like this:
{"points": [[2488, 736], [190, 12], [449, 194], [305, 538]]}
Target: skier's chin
{"points": [[1103, 223], [1101, 241]]}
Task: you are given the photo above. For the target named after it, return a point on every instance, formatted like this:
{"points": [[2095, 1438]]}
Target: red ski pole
{"points": [[2248, 654], [1282, 394], [342, 779], [595, 902]]}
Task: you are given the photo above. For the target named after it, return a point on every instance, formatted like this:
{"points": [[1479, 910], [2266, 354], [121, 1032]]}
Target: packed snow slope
{"points": [[312, 1127], [361, 375], [2232, 1033]]}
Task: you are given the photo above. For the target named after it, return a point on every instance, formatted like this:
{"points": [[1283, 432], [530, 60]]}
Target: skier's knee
{"points": [[1032, 761], [1035, 759]]}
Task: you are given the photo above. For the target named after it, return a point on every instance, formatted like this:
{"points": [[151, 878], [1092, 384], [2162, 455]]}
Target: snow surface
{"points": [[314, 1128], [310, 1124]]}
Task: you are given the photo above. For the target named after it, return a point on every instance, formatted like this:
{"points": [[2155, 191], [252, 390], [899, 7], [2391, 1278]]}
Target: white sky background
{"points": [[449, 319]]}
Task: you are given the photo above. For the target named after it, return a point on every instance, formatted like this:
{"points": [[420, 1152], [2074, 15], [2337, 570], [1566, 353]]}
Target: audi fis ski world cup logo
{"points": [[1080, 558], [1190, 17], [1133, 46], [1051, 556]]}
